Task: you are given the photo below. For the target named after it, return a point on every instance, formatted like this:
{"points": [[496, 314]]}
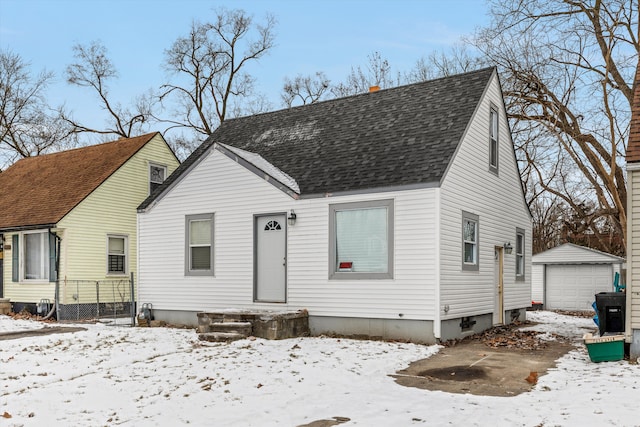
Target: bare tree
{"points": [[209, 67], [442, 64], [95, 70], [28, 126], [567, 68], [377, 72], [305, 89]]}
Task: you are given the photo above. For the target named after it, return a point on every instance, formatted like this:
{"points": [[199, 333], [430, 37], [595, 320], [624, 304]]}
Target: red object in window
{"points": [[343, 265]]}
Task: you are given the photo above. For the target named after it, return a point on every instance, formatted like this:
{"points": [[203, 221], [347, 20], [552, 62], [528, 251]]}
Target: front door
{"points": [[270, 258], [498, 312]]}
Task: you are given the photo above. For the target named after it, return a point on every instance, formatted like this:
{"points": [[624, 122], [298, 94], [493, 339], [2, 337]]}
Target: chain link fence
{"points": [[111, 300]]}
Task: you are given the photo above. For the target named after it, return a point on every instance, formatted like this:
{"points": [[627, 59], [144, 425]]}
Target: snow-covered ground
{"points": [[109, 376]]}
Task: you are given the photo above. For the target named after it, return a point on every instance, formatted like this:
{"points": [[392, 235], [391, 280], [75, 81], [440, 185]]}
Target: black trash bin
{"points": [[611, 311]]}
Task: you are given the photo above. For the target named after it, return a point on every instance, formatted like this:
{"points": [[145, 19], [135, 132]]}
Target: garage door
{"points": [[572, 287]]}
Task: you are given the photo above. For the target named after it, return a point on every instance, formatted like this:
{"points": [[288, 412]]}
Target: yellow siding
{"points": [[110, 209]]}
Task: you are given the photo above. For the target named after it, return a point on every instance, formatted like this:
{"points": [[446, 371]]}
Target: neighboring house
{"points": [[632, 321], [568, 276], [71, 215], [385, 214]]}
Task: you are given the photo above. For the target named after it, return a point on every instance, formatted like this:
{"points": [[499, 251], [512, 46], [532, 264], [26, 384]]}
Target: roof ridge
{"points": [[90, 146], [385, 90]]}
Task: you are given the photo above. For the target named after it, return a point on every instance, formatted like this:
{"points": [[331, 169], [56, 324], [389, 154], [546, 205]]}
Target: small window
{"points": [[157, 175], [470, 226], [117, 255], [199, 245], [519, 254], [272, 226], [361, 240], [493, 140]]}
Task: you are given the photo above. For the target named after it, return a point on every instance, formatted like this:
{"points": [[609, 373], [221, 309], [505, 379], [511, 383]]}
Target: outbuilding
{"points": [[568, 276]]}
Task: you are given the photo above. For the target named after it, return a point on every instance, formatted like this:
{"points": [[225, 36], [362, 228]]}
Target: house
{"points": [[632, 320], [396, 213], [568, 276], [71, 216]]}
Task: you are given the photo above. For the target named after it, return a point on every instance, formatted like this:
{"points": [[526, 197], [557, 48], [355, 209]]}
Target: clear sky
{"points": [[328, 35]]}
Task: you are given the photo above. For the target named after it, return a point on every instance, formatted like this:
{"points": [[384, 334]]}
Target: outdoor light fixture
{"points": [[292, 218], [508, 248]]}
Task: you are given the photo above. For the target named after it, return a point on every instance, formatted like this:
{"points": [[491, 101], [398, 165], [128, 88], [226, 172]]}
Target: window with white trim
{"points": [[199, 245], [519, 254], [35, 255], [361, 240], [493, 140], [157, 175], [470, 231], [117, 255]]}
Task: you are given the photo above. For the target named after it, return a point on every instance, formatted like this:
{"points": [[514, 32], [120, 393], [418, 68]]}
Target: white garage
{"points": [[567, 277]]}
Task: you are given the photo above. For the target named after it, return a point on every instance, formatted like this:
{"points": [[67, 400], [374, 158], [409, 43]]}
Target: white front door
{"points": [[271, 258]]}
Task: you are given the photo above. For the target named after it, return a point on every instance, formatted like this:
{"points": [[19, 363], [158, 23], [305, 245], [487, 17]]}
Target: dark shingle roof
{"points": [[400, 136], [41, 190], [633, 147]]}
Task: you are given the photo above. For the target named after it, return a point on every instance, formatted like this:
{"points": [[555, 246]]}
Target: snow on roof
{"points": [[262, 164]]}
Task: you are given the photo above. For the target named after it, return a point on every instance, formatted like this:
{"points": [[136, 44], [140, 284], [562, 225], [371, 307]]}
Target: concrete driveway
{"points": [[471, 366]]}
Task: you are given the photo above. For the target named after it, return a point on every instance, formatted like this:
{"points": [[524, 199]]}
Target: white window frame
{"points": [[335, 273], [520, 254], [468, 217], [125, 238], [151, 182], [494, 141], [44, 265], [188, 271]]}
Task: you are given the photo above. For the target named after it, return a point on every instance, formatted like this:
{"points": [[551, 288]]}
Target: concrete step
{"points": [[221, 336], [243, 328]]}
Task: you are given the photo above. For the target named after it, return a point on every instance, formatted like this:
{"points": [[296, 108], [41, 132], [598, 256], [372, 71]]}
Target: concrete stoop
{"points": [[231, 325]]}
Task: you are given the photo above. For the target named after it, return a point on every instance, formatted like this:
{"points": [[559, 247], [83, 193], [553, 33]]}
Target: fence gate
{"points": [[112, 301]]}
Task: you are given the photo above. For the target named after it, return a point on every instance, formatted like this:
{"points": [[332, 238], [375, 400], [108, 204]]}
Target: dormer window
{"points": [[157, 175], [493, 140]]}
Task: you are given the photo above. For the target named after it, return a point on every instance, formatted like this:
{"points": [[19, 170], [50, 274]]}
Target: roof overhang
{"points": [[12, 229]]}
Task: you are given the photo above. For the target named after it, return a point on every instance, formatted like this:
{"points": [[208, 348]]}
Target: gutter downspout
{"points": [[54, 307], [437, 327]]}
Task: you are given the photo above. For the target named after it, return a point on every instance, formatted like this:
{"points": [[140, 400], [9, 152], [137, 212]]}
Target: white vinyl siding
{"points": [[537, 283], [235, 198], [498, 201]]}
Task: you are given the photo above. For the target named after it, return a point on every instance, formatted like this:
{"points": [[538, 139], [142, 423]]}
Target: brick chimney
{"points": [[633, 147]]}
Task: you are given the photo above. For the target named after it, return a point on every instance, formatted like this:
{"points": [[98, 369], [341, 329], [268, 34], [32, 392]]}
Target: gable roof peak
{"points": [[42, 189]]}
